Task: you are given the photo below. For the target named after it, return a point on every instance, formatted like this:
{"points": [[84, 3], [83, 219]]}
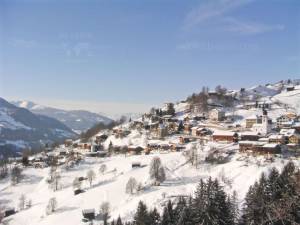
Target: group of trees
{"points": [[210, 205], [84, 136], [54, 179], [199, 102], [170, 110], [157, 171], [273, 200]]}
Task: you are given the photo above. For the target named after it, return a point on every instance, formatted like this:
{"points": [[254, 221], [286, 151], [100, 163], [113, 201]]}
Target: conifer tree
{"points": [[154, 217], [141, 216]]}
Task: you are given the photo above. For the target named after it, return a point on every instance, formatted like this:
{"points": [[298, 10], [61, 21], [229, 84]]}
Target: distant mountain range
{"points": [[77, 120], [20, 128]]}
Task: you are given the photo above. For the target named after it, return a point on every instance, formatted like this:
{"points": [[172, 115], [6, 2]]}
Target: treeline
{"points": [[85, 136], [201, 100], [273, 200]]}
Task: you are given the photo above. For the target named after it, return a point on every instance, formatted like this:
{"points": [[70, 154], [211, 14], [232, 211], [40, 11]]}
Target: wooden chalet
{"points": [[225, 136]]}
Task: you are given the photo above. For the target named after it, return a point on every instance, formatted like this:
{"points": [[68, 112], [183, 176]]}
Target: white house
{"points": [[216, 115]]}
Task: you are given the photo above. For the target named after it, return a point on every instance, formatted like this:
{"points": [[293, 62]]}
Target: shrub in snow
{"points": [[139, 187], [29, 203], [3, 172], [16, 175], [102, 168], [131, 185], [51, 207], [105, 211], [22, 202], [157, 171], [91, 176]]}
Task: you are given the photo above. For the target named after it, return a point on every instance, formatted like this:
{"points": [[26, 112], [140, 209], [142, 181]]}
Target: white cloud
{"points": [[210, 10], [242, 27], [215, 13], [188, 46], [22, 43]]}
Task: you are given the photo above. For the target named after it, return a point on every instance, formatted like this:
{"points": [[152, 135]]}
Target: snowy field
{"points": [[182, 178]]}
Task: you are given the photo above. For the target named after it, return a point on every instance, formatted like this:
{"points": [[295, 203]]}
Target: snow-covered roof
{"points": [[249, 133], [252, 117], [223, 133], [287, 132], [270, 145], [276, 136]]}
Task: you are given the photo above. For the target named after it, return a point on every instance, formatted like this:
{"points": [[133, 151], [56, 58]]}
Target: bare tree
{"points": [[102, 169], [105, 211], [91, 176], [1, 214], [22, 200], [55, 181], [16, 175], [3, 171], [157, 171], [52, 205], [191, 155], [131, 185], [76, 183]]}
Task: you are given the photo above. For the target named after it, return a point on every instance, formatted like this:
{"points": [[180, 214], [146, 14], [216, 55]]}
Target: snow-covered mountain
{"points": [[20, 128], [77, 120]]}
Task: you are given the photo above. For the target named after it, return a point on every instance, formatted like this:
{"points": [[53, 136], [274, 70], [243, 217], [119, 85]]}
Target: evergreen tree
{"points": [[181, 204], [154, 217], [168, 217], [141, 216], [273, 200], [119, 221], [185, 217]]}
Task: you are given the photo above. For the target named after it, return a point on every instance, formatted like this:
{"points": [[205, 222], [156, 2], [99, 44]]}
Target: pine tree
{"points": [[154, 217], [119, 221], [168, 217], [273, 200], [181, 204], [185, 217], [141, 216]]}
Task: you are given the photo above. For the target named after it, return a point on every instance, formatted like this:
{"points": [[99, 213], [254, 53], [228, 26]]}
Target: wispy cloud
{"points": [[188, 46], [217, 11], [210, 10], [23, 43], [77, 49], [242, 27]]}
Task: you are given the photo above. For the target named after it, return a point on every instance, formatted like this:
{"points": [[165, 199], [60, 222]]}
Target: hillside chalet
{"points": [[225, 136], [259, 147]]}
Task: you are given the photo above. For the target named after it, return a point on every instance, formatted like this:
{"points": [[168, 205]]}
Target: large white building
{"points": [[265, 126]]}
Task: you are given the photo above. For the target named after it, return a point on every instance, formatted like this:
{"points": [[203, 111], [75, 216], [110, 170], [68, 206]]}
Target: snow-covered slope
{"points": [[182, 179], [19, 127], [291, 98], [77, 120]]}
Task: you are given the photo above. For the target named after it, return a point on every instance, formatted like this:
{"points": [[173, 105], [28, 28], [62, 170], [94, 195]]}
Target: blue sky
{"points": [[126, 55]]}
